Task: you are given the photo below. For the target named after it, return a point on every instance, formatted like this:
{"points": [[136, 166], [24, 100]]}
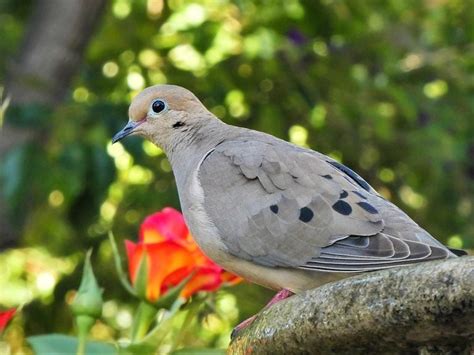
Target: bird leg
{"points": [[281, 295]]}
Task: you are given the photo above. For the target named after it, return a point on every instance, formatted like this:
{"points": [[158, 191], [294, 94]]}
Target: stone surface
{"points": [[416, 308]]}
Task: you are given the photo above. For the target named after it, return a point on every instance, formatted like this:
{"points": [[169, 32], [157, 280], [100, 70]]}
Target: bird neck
{"points": [[187, 148]]}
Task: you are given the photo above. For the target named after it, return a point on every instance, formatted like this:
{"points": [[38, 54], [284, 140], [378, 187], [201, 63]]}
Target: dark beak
{"points": [[128, 129]]}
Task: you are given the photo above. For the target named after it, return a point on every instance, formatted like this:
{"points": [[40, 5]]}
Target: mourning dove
{"points": [[280, 215]]}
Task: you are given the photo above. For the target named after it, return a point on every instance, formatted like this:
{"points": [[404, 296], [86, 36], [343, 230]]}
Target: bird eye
{"points": [[157, 106]]}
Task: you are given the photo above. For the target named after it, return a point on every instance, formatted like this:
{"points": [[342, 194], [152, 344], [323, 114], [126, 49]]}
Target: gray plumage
{"points": [[277, 214], [257, 189]]}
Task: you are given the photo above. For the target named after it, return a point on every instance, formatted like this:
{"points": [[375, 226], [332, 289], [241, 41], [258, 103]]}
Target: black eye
{"points": [[157, 106]]}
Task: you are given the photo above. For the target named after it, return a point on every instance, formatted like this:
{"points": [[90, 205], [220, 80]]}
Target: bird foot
{"points": [[241, 326], [281, 295]]}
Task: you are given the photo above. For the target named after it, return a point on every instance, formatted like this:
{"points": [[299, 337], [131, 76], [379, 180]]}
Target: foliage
{"points": [[168, 272], [49, 344], [384, 87]]}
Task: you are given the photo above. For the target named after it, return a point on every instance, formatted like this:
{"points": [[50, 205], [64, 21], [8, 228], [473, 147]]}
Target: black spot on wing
{"points": [[368, 207], [343, 194], [327, 176], [354, 176], [306, 214], [274, 208], [342, 207]]}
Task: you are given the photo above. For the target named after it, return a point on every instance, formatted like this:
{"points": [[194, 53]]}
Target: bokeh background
{"points": [[385, 87]]}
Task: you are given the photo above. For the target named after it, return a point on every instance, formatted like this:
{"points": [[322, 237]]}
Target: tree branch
{"points": [[52, 50], [397, 310], [54, 44]]}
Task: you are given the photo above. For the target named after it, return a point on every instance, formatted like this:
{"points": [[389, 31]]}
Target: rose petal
{"points": [[167, 224], [5, 317], [171, 255], [134, 255], [205, 279], [163, 259], [230, 279], [175, 278]]}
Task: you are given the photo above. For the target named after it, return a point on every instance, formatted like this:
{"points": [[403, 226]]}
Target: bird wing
{"points": [[281, 205]]}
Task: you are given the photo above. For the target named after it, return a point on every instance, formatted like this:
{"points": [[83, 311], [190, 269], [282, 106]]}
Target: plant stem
{"points": [[145, 315], [192, 310], [84, 324], [81, 346]]}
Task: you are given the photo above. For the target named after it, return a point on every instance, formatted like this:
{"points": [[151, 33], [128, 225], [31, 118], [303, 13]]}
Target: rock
{"points": [[427, 308]]}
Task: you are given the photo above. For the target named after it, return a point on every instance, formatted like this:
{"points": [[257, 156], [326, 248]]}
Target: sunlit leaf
{"points": [[203, 351], [123, 277], [64, 344]]}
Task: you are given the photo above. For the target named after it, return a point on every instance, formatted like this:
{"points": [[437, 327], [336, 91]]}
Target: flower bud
{"points": [[88, 300]]}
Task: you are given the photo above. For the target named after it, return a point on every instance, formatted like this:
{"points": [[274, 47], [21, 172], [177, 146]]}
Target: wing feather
{"points": [[290, 207]]}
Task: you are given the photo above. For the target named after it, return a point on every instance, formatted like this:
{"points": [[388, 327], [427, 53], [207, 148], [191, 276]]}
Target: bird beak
{"points": [[125, 131]]}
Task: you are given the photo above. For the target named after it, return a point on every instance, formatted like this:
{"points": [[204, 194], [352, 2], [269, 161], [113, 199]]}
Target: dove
{"points": [[279, 215]]}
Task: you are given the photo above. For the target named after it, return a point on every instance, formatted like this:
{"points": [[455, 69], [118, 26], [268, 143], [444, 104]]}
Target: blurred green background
{"points": [[386, 87]]}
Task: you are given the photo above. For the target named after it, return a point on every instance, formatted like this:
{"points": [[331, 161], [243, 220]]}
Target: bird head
{"points": [[162, 113]]}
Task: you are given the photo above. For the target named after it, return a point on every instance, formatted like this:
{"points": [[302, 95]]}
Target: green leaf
{"points": [[171, 296], [71, 175], [65, 344], [141, 279], [101, 173], [29, 116], [197, 351], [137, 349], [118, 266], [14, 174]]}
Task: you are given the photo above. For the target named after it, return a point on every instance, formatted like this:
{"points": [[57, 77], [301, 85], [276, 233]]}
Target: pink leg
{"points": [[281, 295]]}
